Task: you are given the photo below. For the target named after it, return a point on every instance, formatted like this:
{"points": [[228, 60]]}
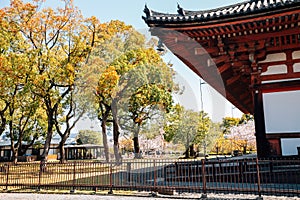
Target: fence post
{"points": [[74, 178], [110, 180], [155, 176], [258, 180], [43, 168], [155, 190], [128, 172], [204, 195], [7, 175], [40, 177]]}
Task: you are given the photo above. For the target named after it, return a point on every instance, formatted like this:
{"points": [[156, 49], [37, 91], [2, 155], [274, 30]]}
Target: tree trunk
{"points": [[245, 149], [187, 153], [116, 131], [15, 156], [14, 148], [192, 151], [137, 153], [62, 151], [45, 153], [136, 144], [116, 134], [104, 136], [3, 122]]}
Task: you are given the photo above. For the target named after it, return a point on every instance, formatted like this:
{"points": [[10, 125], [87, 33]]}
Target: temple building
{"points": [[250, 53]]}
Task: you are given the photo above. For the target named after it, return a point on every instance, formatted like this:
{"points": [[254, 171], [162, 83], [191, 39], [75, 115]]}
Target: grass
{"points": [[81, 175], [64, 174]]}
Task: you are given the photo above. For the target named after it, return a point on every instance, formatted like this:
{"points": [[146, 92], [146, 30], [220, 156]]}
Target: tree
{"points": [[152, 142], [215, 133], [145, 101], [89, 137], [58, 44], [243, 136], [126, 145], [187, 127], [146, 84], [204, 129], [172, 122], [104, 80], [67, 121], [123, 74], [6, 38], [107, 82], [24, 118], [238, 134], [229, 122], [21, 114], [21, 111]]}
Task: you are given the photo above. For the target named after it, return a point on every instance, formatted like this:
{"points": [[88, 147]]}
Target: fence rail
{"points": [[255, 176]]}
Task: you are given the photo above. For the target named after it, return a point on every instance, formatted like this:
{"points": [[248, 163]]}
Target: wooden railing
{"points": [[255, 176]]}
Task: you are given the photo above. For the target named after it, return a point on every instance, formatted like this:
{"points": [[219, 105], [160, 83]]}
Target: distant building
{"points": [[73, 151], [84, 151]]}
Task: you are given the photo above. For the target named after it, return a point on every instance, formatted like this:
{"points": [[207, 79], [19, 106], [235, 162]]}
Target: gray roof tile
{"points": [[243, 8]]}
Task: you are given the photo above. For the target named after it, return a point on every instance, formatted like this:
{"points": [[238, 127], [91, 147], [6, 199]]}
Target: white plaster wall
{"points": [[274, 57], [296, 54], [289, 146], [282, 112], [275, 69], [296, 67]]}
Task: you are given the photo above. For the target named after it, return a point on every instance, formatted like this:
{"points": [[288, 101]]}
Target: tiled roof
{"points": [[243, 8]]}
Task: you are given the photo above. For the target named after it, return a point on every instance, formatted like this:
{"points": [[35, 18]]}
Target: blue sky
{"points": [[131, 12]]}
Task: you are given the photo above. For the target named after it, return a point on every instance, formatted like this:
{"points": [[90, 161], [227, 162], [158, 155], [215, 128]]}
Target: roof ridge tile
{"points": [[242, 8]]}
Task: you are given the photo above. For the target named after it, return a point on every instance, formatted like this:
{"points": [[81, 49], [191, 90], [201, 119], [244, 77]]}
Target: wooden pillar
{"points": [[262, 144]]}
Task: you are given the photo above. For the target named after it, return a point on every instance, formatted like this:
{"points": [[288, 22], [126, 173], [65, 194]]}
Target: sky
{"points": [[131, 12]]}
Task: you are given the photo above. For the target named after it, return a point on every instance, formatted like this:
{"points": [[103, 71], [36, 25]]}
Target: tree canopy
{"points": [[188, 128], [89, 137], [47, 49], [57, 66]]}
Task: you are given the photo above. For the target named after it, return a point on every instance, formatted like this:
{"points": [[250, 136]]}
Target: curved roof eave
{"points": [[246, 9]]}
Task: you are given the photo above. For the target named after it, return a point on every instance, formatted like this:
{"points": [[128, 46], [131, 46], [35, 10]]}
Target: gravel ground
{"points": [[34, 196]]}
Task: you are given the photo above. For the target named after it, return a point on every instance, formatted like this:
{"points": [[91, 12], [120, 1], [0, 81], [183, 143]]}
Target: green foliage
{"points": [[172, 122], [229, 122], [133, 81], [89, 137], [245, 118], [186, 127], [43, 51], [147, 98], [204, 126], [214, 134], [54, 61]]}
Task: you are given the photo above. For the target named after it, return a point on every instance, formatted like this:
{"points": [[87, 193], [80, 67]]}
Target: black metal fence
{"points": [[253, 176]]}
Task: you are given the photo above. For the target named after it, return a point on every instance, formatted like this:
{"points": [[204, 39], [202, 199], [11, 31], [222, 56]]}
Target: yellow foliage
{"points": [[108, 82], [126, 144]]}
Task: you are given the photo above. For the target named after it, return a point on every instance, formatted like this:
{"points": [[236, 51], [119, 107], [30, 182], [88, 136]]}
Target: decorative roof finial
{"points": [[147, 11], [180, 10]]}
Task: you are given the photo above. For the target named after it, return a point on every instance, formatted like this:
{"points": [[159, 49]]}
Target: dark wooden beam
{"points": [[282, 77], [280, 86], [233, 79], [263, 147], [282, 135], [224, 67]]}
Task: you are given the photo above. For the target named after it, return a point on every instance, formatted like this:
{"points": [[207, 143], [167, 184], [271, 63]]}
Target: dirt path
{"points": [[30, 196]]}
